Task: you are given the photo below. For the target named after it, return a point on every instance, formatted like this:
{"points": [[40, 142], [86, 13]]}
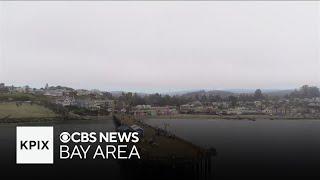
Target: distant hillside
{"points": [[279, 92], [119, 93], [222, 93], [251, 91], [208, 93], [116, 93], [225, 93], [179, 93]]}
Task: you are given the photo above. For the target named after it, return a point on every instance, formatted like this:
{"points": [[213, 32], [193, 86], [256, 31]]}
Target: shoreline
{"points": [[178, 116], [228, 117], [53, 119]]}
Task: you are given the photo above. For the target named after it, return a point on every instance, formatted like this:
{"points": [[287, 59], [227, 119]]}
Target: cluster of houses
{"points": [[283, 107], [91, 100], [148, 110], [87, 103], [95, 100], [64, 96], [307, 107], [224, 108]]}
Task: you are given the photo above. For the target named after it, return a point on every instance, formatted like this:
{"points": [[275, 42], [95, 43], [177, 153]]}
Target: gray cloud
{"points": [[160, 46]]}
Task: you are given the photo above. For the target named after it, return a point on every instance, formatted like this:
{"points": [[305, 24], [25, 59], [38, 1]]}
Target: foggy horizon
{"points": [[166, 91], [160, 47]]}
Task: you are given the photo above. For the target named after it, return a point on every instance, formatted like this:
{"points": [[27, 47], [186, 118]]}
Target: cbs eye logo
{"points": [[78, 137], [65, 137]]}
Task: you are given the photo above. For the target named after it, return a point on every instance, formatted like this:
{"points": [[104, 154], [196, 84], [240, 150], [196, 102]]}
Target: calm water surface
{"points": [[257, 148]]}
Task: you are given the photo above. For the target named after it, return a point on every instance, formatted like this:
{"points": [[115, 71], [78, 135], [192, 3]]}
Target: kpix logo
{"points": [[34, 145]]}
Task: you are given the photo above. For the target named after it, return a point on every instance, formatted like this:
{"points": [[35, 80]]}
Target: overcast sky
{"points": [[160, 46]]}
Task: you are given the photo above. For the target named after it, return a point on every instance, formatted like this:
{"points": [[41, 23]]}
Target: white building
{"points": [[54, 93], [66, 101]]}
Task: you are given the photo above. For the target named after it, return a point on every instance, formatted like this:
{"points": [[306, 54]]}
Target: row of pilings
{"points": [[200, 167]]}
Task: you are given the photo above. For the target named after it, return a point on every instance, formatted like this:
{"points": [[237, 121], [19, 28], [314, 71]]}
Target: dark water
{"points": [[244, 148], [254, 148]]}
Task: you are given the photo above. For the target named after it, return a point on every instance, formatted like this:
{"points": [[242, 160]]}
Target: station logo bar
{"points": [[34, 145]]}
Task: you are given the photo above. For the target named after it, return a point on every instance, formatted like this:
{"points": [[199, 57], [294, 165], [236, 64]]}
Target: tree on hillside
{"points": [[306, 92], [258, 94], [233, 100]]}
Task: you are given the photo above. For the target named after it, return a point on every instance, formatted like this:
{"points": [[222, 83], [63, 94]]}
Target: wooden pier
{"points": [[160, 150]]}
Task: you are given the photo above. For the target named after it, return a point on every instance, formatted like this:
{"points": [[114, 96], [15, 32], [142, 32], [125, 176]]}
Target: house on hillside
{"points": [[53, 92], [267, 111], [94, 104], [66, 101]]}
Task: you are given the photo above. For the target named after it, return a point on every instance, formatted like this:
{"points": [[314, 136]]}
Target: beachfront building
{"points": [[147, 110]]}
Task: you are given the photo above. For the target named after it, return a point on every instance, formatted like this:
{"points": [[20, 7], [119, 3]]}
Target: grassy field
{"points": [[25, 110]]}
